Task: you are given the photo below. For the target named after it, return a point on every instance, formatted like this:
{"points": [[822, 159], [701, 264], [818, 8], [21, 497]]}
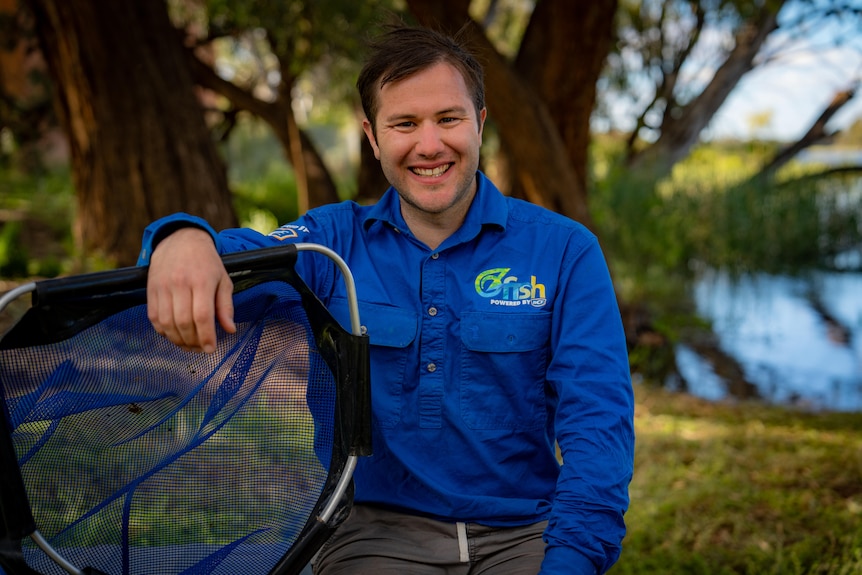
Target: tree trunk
{"points": [[543, 170], [140, 148], [319, 183], [371, 182], [25, 95], [557, 31]]}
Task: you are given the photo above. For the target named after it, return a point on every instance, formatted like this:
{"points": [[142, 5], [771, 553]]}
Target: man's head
{"points": [[402, 52], [424, 103]]}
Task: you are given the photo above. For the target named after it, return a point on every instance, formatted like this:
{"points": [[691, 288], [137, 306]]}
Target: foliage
{"points": [[263, 184], [310, 48], [13, 256], [26, 109], [711, 212], [37, 210], [658, 62], [742, 489], [668, 51], [36, 235], [303, 31], [852, 136]]}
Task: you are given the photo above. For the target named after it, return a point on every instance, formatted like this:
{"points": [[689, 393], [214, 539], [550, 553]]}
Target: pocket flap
{"points": [[503, 332], [385, 325]]}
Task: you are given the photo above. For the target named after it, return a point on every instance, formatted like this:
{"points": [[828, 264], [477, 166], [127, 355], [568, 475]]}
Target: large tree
{"points": [[540, 102], [143, 133], [282, 42], [124, 93], [667, 34], [678, 61]]}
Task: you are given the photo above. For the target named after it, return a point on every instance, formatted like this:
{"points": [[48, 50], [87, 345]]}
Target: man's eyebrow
{"points": [[453, 110], [396, 118]]}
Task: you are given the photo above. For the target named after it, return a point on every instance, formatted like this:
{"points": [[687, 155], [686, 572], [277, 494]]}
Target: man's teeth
{"points": [[431, 172]]}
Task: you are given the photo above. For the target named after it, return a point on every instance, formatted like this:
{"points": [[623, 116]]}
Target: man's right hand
{"points": [[188, 289]]}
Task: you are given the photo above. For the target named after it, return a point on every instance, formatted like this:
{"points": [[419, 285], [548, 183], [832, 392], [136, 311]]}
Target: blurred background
{"points": [[713, 146]]}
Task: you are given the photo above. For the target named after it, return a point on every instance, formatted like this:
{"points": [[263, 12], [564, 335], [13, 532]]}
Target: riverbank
{"points": [[742, 488]]}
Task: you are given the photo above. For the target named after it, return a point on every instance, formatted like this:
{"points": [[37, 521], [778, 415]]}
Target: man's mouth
{"points": [[431, 172]]}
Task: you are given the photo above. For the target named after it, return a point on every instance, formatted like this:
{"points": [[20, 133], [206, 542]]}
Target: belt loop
{"points": [[463, 545]]}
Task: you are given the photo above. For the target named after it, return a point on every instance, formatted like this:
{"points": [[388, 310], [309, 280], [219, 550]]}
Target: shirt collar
{"points": [[488, 208]]}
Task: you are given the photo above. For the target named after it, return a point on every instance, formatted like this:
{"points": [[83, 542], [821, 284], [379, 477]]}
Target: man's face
{"points": [[427, 140]]}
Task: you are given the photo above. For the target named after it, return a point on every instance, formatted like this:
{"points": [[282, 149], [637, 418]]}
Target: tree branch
{"points": [[241, 98], [816, 133], [678, 136]]}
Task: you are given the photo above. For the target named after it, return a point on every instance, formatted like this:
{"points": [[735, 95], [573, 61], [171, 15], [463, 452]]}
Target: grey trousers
{"points": [[376, 541]]}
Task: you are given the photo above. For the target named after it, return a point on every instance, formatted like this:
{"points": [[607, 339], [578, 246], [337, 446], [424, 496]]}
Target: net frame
{"points": [[63, 307]]}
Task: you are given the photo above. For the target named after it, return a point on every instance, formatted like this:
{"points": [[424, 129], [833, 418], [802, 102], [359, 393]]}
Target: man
{"points": [[494, 331]]}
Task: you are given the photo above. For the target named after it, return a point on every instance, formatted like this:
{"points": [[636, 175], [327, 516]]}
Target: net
{"points": [[140, 458]]}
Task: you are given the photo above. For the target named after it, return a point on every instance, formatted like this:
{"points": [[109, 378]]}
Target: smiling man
{"points": [[426, 131], [495, 336]]}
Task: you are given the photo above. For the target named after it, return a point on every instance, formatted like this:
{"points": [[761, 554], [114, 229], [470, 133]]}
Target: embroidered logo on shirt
{"points": [[508, 290], [288, 232]]}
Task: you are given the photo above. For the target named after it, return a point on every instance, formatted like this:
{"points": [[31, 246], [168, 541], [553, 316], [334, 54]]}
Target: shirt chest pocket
{"points": [[504, 358], [391, 331]]}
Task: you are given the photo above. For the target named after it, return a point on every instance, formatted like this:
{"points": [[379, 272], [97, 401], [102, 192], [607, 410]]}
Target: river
{"points": [[798, 339]]}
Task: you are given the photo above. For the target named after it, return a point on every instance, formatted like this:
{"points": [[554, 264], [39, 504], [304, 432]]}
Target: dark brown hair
{"points": [[402, 51]]}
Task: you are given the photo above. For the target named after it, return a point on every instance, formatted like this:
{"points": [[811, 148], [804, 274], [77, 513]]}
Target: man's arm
{"points": [[594, 419], [188, 289]]}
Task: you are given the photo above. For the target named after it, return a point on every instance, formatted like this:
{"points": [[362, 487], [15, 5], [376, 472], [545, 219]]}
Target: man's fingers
{"points": [[171, 315], [224, 304], [185, 290], [202, 332]]}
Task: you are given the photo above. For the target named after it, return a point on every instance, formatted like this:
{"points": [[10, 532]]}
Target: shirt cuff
{"points": [[566, 561], [163, 227]]}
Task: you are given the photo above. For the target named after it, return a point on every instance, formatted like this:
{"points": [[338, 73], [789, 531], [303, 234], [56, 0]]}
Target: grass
{"points": [[742, 488]]}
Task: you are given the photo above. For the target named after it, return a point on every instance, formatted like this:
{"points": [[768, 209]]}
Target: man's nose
{"points": [[430, 141]]}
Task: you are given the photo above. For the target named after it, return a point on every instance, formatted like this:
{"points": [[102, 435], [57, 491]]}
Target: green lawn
{"points": [[742, 488]]}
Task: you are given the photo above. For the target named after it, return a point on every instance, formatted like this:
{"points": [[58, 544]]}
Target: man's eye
{"points": [[405, 125]]}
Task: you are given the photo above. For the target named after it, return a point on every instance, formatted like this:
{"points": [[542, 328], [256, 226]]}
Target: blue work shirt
{"points": [[485, 351]]}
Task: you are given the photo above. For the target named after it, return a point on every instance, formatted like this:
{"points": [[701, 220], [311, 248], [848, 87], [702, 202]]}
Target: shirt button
{"points": [[432, 311], [435, 255], [432, 367]]}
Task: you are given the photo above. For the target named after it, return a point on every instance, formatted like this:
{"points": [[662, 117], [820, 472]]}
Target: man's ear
{"points": [[369, 133], [483, 114]]}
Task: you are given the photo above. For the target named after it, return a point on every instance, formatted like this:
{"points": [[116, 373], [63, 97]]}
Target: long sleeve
{"points": [[226, 241], [594, 420]]}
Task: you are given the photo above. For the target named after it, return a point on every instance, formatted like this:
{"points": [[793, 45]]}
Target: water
{"points": [[798, 339], [830, 156]]}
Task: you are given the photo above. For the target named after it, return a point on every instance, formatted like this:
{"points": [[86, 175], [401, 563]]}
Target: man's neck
{"points": [[433, 229], [430, 232]]}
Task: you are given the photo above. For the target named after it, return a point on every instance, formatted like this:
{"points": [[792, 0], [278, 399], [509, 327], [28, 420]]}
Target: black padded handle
{"points": [[132, 279]]}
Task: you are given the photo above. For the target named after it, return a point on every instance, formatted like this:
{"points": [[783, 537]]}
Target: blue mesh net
{"points": [[141, 458]]}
